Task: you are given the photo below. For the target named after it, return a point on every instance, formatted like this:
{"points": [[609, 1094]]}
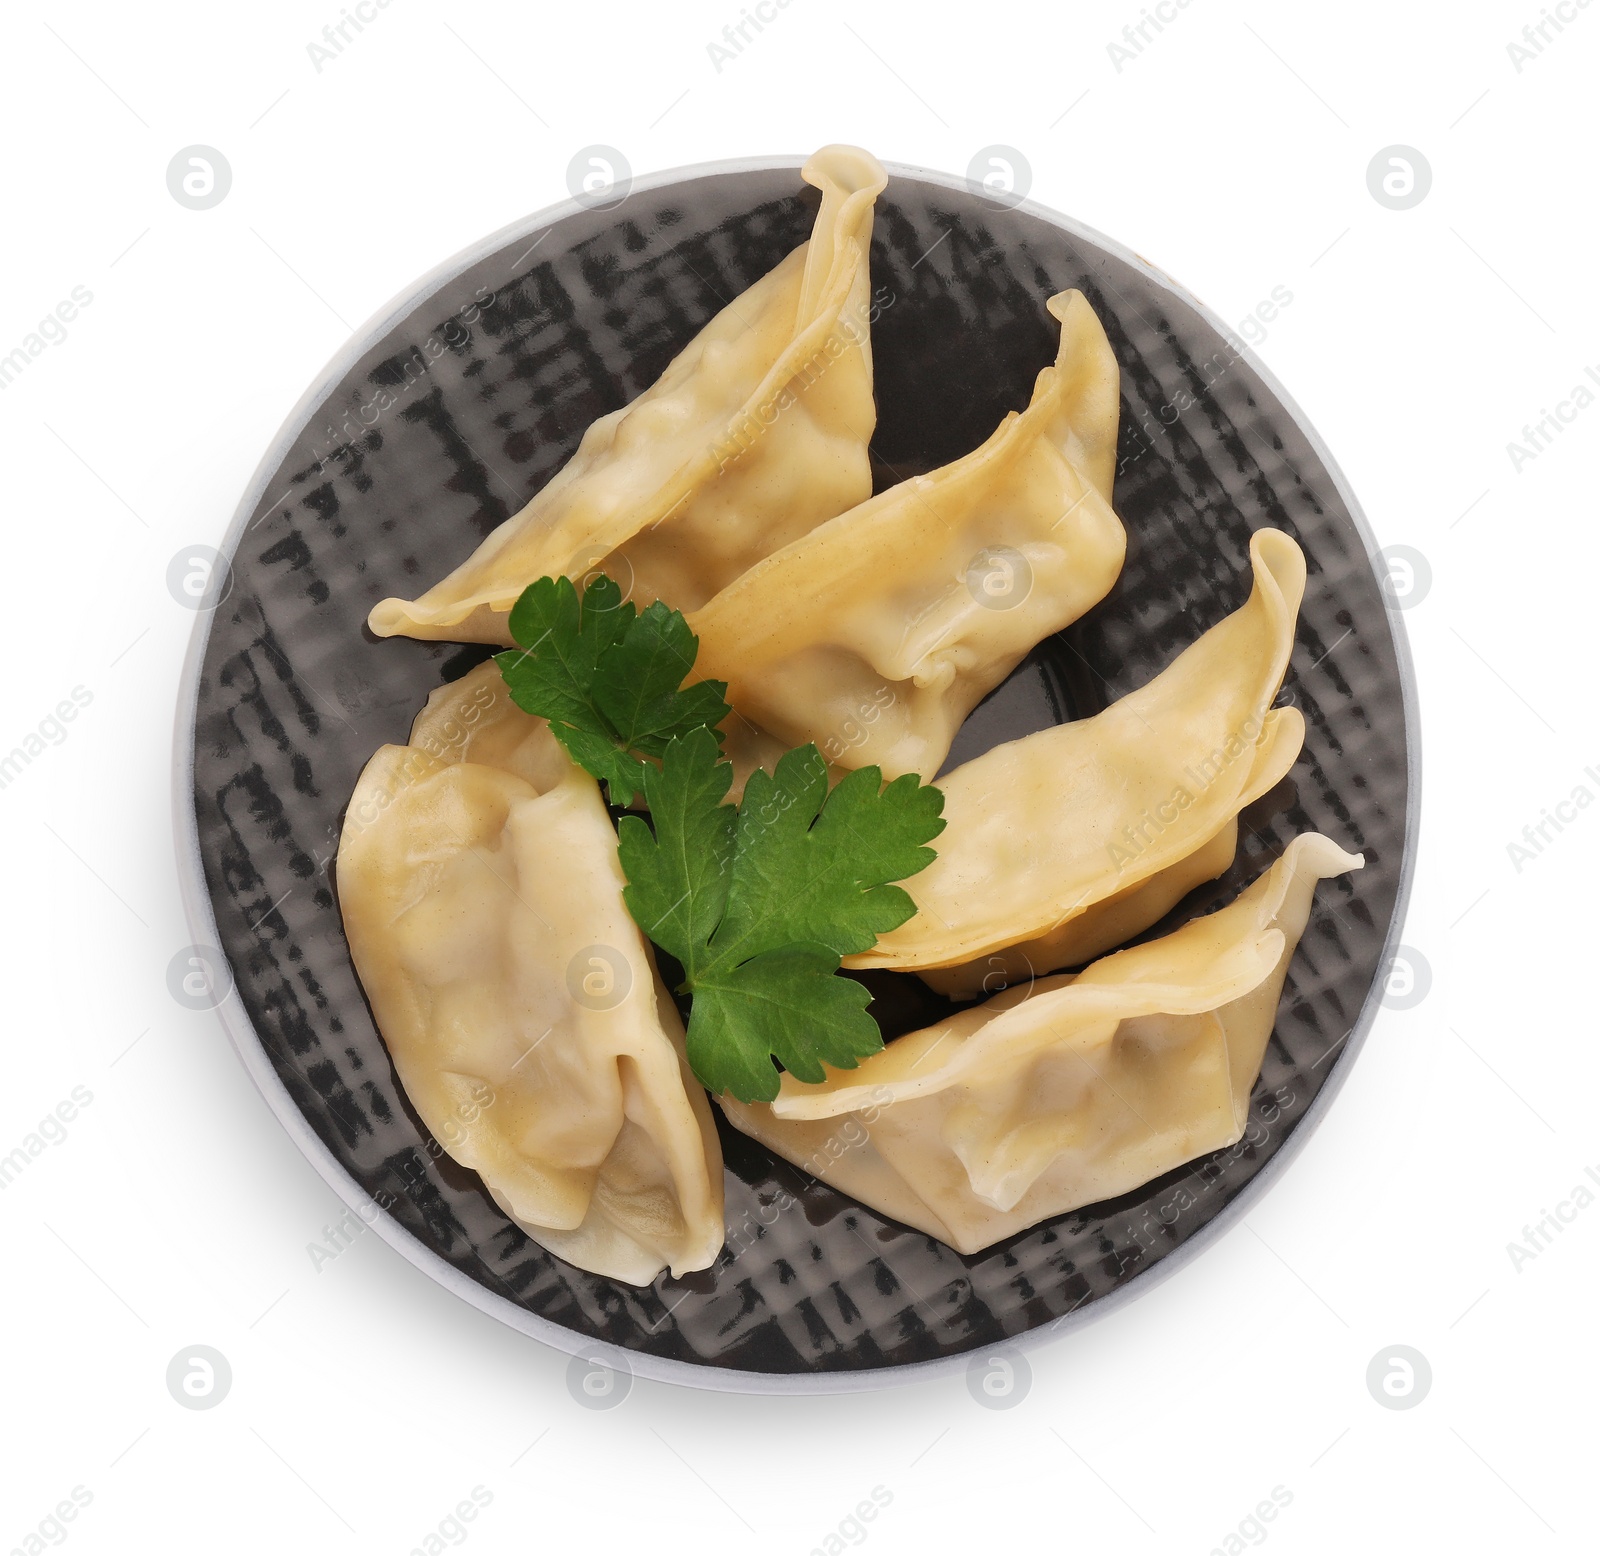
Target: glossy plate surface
{"points": [[496, 364]]}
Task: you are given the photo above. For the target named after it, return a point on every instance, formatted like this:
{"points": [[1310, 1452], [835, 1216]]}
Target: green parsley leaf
{"points": [[607, 677], [788, 1002], [636, 687], [622, 774], [552, 674], [810, 865], [757, 902], [678, 875], [760, 908]]}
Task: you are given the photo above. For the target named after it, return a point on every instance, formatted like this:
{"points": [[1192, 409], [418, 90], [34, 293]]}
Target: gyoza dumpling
{"points": [[482, 899], [1076, 1091], [1133, 909], [756, 432], [877, 633], [1072, 821]]}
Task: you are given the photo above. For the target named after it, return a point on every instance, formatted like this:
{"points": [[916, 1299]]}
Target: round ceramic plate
{"points": [[496, 364]]}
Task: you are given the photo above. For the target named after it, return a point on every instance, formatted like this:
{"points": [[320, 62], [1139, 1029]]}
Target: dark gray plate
{"points": [[577, 310]]}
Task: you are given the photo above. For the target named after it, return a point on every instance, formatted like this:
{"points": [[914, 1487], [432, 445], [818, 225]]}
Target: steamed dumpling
{"points": [[482, 900], [1066, 1094], [756, 432], [1069, 823], [875, 634], [1132, 910]]}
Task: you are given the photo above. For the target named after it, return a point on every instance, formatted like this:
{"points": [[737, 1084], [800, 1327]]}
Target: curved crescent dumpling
{"points": [[756, 432], [1133, 909], [1071, 1092], [482, 900], [877, 633], [1072, 821]]}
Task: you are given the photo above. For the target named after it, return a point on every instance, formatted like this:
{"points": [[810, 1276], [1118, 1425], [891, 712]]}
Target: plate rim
{"points": [[246, 1041]]}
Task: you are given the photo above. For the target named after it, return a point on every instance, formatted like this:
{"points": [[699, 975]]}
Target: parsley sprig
{"points": [[758, 902], [607, 677]]}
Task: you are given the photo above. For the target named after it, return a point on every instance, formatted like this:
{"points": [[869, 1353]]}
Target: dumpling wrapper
{"points": [[756, 432], [1075, 1091], [877, 633], [1135, 908], [1042, 830], [482, 899]]}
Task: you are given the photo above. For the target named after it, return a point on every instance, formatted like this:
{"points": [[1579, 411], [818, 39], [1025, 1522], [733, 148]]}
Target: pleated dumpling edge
{"points": [[1076, 1090], [482, 900], [673, 493], [1152, 778], [875, 634]]}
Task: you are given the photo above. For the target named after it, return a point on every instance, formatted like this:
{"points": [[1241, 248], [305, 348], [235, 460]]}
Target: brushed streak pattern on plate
{"points": [[468, 406]]}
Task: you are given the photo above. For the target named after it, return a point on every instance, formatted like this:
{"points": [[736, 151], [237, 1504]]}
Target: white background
{"points": [[1232, 152]]}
